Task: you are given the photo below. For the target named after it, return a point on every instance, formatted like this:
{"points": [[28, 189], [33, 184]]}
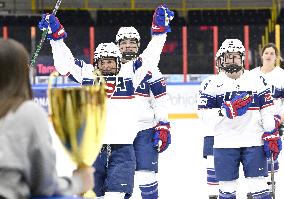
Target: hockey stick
{"points": [[272, 177], [43, 35]]}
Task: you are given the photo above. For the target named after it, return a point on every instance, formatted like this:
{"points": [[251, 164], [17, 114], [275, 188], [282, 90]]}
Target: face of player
{"points": [[269, 57], [129, 49], [107, 66], [233, 60]]}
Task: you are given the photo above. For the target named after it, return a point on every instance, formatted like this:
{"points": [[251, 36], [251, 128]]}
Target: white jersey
{"points": [[245, 130], [122, 106], [152, 99], [276, 80], [151, 90], [206, 130]]}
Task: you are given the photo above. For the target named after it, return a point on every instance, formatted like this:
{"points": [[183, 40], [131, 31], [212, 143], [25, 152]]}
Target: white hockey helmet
{"points": [[127, 32], [231, 46], [108, 50]]}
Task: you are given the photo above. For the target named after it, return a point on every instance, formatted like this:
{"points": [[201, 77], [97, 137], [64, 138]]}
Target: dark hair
{"points": [[270, 45], [15, 85]]}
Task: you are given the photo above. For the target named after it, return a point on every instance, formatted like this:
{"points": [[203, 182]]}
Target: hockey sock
{"points": [[211, 177], [227, 189], [149, 191], [258, 187], [227, 195], [212, 181], [262, 194]]}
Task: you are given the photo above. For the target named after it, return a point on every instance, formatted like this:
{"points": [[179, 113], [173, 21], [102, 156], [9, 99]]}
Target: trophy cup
{"points": [[78, 117]]}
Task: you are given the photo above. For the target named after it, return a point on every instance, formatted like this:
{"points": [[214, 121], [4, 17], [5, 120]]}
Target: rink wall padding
{"points": [[183, 100]]}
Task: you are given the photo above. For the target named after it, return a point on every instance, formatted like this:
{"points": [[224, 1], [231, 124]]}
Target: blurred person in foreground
{"points": [[27, 159]]}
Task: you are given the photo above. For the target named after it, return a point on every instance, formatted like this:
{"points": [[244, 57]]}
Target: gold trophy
{"points": [[78, 117]]}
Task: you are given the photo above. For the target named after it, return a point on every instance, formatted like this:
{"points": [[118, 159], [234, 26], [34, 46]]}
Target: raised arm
{"points": [[64, 61], [160, 28]]}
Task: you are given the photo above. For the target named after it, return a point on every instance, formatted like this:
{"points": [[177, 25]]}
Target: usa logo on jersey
{"points": [[119, 88]]}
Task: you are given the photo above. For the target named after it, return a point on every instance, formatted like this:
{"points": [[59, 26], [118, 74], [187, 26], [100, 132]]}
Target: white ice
{"points": [[182, 171]]}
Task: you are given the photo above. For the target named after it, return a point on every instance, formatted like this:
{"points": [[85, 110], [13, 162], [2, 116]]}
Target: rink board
{"points": [[182, 99]]}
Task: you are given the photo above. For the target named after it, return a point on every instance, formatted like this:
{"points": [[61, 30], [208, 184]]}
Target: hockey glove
{"points": [[55, 29], [161, 20], [272, 143], [237, 106], [162, 136]]}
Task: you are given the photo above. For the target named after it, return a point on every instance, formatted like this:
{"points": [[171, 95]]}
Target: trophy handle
{"points": [[52, 77]]}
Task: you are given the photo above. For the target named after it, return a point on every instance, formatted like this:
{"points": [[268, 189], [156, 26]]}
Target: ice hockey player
{"points": [[238, 105], [273, 74], [154, 128]]}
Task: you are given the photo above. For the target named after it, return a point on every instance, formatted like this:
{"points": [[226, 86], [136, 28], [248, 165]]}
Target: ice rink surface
{"points": [[182, 171]]}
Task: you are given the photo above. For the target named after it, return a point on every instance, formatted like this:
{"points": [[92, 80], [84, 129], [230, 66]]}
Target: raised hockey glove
{"points": [[237, 106], [55, 29], [272, 143], [162, 136], [161, 20]]}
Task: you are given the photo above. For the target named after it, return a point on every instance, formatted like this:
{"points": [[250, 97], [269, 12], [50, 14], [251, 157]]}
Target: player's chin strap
{"points": [[232, 68]]}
